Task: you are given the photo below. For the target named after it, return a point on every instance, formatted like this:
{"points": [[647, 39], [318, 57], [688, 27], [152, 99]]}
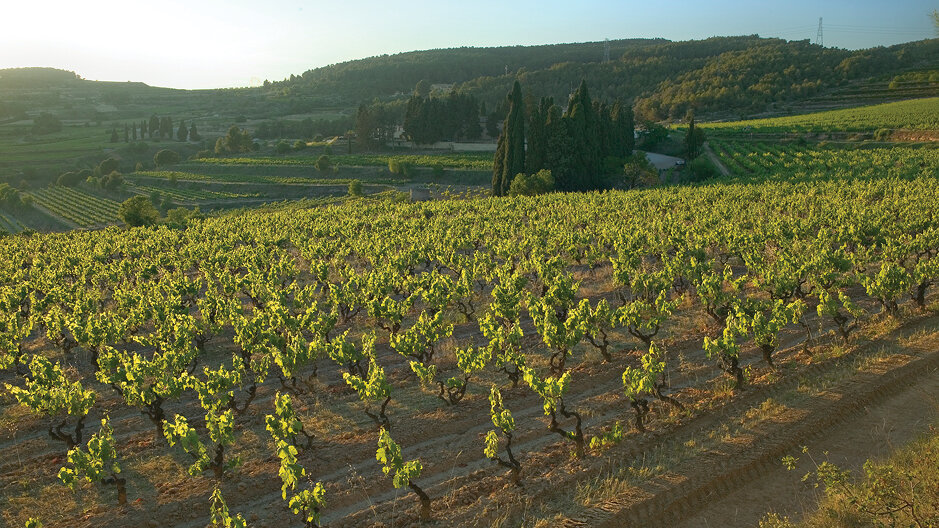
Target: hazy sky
{"points": [[216, 43]]}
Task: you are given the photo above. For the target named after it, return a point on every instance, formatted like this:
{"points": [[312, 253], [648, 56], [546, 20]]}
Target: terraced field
{"points": [[78, 207]]}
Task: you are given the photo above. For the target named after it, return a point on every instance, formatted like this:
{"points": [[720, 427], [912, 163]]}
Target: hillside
{"points": [[721, 76]]}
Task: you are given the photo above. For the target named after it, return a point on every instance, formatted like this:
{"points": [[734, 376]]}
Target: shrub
{"points": [[107, 166], [165, 157], [702, 169], [179, 217], [323, 163], [112, 181], [401, 168], [355, 188], [69, 179], [282, 147], [299, 144], [637, 170], [138, 211], [539, 183]]}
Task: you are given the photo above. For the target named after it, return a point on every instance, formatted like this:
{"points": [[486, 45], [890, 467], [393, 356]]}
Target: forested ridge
{"points": [[745, 74]]}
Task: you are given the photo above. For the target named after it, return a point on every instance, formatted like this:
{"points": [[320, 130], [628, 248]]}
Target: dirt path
{"points": [[873, 433], [716, 160]]}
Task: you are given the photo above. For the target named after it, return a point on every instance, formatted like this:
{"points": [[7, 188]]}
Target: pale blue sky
{"points": [[224, 43]]}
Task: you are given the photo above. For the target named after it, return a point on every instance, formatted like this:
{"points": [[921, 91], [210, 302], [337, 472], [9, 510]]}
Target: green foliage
{"points": [[510, 152], [638, 170], [501, 417], [355, 188], [551, 389], [702, 169], [234, 142], [284, 426], [165, 157], [282, 147], [221, 431], [48, 391], [323, 163], [221, 518], [393, 464], [694, 139], [539, 183], [895, 492], [138, 211], [452, 118], [97, 464]]}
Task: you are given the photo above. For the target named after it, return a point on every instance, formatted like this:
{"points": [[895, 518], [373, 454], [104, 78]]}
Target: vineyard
{"points": [[477, 362], [915, 114], [10, 225], [476, 161], [191, 195], [762, 161], [78, 207], [195, 172]]}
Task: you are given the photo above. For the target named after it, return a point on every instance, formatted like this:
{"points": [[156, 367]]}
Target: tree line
{"points": [[156, 127], [580, 146]]}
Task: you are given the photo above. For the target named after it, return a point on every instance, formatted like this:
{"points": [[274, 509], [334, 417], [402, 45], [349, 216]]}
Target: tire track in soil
{"points": [[714, 481]]}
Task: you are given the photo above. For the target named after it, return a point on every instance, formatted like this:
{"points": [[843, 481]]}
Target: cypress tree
{"points": [[498, 166], [126, 134], [558, 149], [584, 141], [511, 144], [183, 133], [133, 128], [536, 154], [694, 138], [154, 126]]}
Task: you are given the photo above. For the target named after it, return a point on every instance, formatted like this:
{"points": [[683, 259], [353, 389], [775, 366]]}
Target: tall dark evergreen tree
{"points": [[183, 133], [133, 129], [584, 136], [694, 139], [625, 128], [126, 133], [193, 133], [166, 127], [535, 155], [511, 145], [154, 126]]}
